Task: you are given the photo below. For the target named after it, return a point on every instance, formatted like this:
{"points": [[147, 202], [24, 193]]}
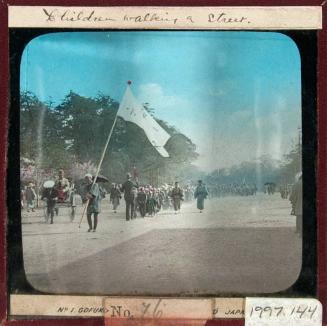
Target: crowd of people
{"points": [[232, 189], [147, 200], [142, 200], [53, 192]]}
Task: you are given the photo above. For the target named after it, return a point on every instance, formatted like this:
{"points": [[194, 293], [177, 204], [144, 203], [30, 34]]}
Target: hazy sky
{"points": [[237, 95]]}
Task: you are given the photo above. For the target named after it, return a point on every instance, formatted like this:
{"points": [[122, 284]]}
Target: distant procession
{"points": [[143, 200]]}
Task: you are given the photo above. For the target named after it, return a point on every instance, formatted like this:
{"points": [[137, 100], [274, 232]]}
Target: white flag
{"points": [[131, 110]]}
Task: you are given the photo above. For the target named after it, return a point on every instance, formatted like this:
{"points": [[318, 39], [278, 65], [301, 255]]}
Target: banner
{"points": [[130, 110]]}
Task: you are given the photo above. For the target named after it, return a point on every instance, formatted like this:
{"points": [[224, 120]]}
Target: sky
{"points": [[236, 95]]}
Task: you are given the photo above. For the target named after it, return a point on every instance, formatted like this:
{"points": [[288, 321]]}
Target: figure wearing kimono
{"points": [[201, 193], [115, 197], [177, 196], [62, 186], [30, 196], [151, 205]]}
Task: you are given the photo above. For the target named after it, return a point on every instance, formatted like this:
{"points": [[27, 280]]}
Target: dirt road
{"points": [[238, 245]]}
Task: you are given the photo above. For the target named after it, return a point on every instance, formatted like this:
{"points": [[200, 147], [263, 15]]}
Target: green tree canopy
{"points": [[76, 130]]}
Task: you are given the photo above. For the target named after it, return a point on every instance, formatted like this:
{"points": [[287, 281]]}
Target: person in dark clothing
{"points": [[201, 193], [93, 195], [151, 204], [50, 194], [30, 196], [177, 196], [130, 190], [141, 199]]}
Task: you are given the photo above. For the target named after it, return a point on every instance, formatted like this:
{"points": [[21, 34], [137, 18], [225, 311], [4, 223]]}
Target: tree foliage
{"points": [[72, 135], [75, 131], [262, 170], [292, 165]]}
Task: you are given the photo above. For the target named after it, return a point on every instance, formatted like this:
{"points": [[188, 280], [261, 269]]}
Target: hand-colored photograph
{"points": [[161, 162]]}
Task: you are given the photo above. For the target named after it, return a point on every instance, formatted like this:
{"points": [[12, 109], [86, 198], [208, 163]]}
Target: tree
{"points": [[41, 137], [292, 165], [31, 112], [75, 132]]}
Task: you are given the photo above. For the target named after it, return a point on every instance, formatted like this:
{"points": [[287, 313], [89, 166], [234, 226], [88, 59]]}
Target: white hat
{"points": [[48, 184], [88, 175]]}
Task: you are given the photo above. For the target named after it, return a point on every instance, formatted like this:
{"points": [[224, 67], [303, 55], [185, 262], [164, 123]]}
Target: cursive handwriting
{"points": [[151, 311], [226, 19], [92, 16], [74, 16], [151, 17]]}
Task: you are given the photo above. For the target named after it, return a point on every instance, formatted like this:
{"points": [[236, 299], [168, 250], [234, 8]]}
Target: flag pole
{"points": [[99, 167], [100, 163]]}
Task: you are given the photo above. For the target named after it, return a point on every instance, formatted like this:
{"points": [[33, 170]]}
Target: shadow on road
{"points": [[184, 262]]}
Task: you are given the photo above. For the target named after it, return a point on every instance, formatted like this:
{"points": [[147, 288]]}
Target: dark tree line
{"points": [[264, 169], [75, 131]]}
